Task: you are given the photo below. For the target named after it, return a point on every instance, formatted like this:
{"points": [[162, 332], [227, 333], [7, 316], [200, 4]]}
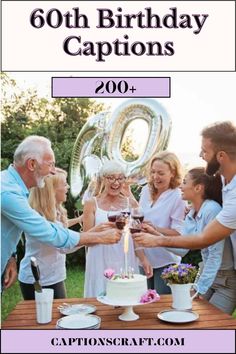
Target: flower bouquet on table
{"points": [[180, 278], [179, 273]]}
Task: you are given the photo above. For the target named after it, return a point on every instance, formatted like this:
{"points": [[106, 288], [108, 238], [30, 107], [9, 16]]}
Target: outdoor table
{"points": [[210, 317]]}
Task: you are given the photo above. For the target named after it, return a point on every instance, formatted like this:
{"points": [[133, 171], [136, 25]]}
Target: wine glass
{"points": [[121, 221], [125, 208], [112, 214], [137, 214], [135, 226]]}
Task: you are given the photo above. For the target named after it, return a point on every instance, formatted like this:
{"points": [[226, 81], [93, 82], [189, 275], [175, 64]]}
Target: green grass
{"points": [[10, 298], [74, 286], [75, 282]]}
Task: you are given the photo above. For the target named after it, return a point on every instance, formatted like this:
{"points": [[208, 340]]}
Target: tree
{"points": [[128, 153], [23, 113]]}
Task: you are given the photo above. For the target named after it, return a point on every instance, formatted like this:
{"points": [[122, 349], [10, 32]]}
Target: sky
{"points": [[197, 100]]}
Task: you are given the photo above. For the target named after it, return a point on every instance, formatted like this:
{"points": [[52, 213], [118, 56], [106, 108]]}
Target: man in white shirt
{"points": [[219, 151], [227, 216]]}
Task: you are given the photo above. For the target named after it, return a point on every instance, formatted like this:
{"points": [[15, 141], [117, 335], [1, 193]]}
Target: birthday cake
{"points": [[126, 289]]}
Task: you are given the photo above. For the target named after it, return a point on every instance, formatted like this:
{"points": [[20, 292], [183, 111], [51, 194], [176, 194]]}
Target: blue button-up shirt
{"points": [[212, 255], [17, 216]]}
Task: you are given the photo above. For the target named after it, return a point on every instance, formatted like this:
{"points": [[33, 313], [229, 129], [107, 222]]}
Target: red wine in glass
{"points": [[120, 221], [137, 214], [120, 224], [133, 230], [138, 217], [135, 226], [112, 218]]}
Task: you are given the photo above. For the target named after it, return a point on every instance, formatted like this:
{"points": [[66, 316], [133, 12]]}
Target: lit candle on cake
{"points": [[126, 247]]}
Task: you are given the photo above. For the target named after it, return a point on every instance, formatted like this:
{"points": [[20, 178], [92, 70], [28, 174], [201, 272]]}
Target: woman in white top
{"points": [[48, 202], [108, 199], [163, 207]]}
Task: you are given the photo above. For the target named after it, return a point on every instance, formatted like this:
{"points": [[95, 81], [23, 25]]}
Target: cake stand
{"points": [[128, 314]]}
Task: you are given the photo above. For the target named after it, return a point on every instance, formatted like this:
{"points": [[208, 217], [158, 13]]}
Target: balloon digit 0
{"points": [[101, 137]]}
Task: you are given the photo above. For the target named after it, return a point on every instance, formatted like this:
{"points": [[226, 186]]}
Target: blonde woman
{"points": [[48, 201], [110, 197], [164, 208]]}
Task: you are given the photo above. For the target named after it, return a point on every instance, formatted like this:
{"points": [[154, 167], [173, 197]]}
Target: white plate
{"points": [[95, 327], [77, 309], [105, 300], [178, 316], [79, 322]]}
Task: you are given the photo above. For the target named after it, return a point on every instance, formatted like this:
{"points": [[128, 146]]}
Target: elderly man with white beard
{"points": [[33, 161]]}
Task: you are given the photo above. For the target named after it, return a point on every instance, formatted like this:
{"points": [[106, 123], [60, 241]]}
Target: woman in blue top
{"points": [[205, 197]]}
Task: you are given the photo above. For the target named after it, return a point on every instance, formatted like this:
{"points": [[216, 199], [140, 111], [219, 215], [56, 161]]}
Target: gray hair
{"points": [[32, 147], [111, 167]]}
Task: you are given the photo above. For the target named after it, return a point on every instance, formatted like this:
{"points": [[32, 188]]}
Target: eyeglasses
{"points": [[114, 179], [50, 164]]}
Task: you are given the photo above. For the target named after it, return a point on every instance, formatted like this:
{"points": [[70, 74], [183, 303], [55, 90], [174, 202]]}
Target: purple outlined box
{"points": [[111, 87], [118, 341]]}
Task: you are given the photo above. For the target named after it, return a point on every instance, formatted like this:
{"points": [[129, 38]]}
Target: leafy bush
{"points": [[193, 257]]}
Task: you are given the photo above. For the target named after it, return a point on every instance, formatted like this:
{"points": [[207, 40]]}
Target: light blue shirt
{"points": [[212, 255], [17, 216]]}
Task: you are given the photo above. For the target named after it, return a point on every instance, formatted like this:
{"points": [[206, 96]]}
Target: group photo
{"points": [[118, 213]]}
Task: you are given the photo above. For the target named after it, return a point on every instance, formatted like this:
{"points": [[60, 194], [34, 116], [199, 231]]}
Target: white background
{"points": [[27, 48]]}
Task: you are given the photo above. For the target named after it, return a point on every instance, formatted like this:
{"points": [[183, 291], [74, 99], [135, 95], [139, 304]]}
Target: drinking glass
{"points": [[112, 214], [120, 221], [137, 214], [125, 207], [135, 226], [43, 301]]}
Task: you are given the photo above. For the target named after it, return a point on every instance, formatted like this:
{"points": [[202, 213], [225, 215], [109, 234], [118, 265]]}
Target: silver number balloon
{"points": [[86, 158], [159, 129], [102, 135]]}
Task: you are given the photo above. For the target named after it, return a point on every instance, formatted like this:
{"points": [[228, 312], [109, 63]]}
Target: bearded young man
{"points": [[219, 151]]}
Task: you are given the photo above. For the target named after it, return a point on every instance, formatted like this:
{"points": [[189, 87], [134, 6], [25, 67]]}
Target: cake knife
{"points": [[36, 274]]}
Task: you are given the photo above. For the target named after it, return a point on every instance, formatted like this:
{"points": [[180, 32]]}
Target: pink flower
{"points": [[150, 296], [109, 273]]}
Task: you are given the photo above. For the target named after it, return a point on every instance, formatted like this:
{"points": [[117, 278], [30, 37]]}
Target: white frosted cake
{"points": [[127, 289]]}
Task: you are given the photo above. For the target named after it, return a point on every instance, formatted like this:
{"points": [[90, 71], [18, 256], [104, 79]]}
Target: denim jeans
{"points": [[156, 282], [222, 293], [27, 290]]}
